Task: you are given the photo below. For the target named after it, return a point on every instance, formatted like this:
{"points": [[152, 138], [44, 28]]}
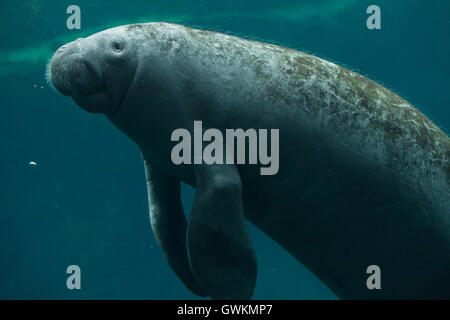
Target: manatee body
{"points": [[363, 176]]}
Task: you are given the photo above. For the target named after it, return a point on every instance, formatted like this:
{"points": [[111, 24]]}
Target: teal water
{"points": [[85, 201]]}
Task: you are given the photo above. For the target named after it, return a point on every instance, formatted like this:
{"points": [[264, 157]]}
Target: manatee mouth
{"points": [[70, 73]]}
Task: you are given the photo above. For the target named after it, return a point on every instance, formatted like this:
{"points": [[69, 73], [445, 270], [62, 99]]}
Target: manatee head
{"points": [[96, 71]]}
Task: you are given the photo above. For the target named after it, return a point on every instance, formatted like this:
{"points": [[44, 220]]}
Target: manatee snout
{"points": [[71, 72]]}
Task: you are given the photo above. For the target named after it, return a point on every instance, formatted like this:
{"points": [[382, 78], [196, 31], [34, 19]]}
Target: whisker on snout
{"points": [[48, 76]]}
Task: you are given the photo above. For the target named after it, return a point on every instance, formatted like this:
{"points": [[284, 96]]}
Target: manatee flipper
{"points": [[221, 255], [169, 224]]}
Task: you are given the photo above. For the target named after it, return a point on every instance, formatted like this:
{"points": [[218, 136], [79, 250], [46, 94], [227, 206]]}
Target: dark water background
{"points": [[85, 202]]}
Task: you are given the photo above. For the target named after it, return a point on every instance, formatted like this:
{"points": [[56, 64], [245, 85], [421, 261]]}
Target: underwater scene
{"points": [[348, 196]]}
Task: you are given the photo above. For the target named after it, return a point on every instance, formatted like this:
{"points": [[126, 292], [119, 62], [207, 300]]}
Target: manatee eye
{"points": [[117, 46]]}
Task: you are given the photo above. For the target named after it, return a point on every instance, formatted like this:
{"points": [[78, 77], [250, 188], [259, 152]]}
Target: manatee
{"points": [[363, 175]]}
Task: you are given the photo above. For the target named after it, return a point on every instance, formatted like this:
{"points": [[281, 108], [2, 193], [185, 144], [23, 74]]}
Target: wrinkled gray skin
{"points": [[363, 179]]}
